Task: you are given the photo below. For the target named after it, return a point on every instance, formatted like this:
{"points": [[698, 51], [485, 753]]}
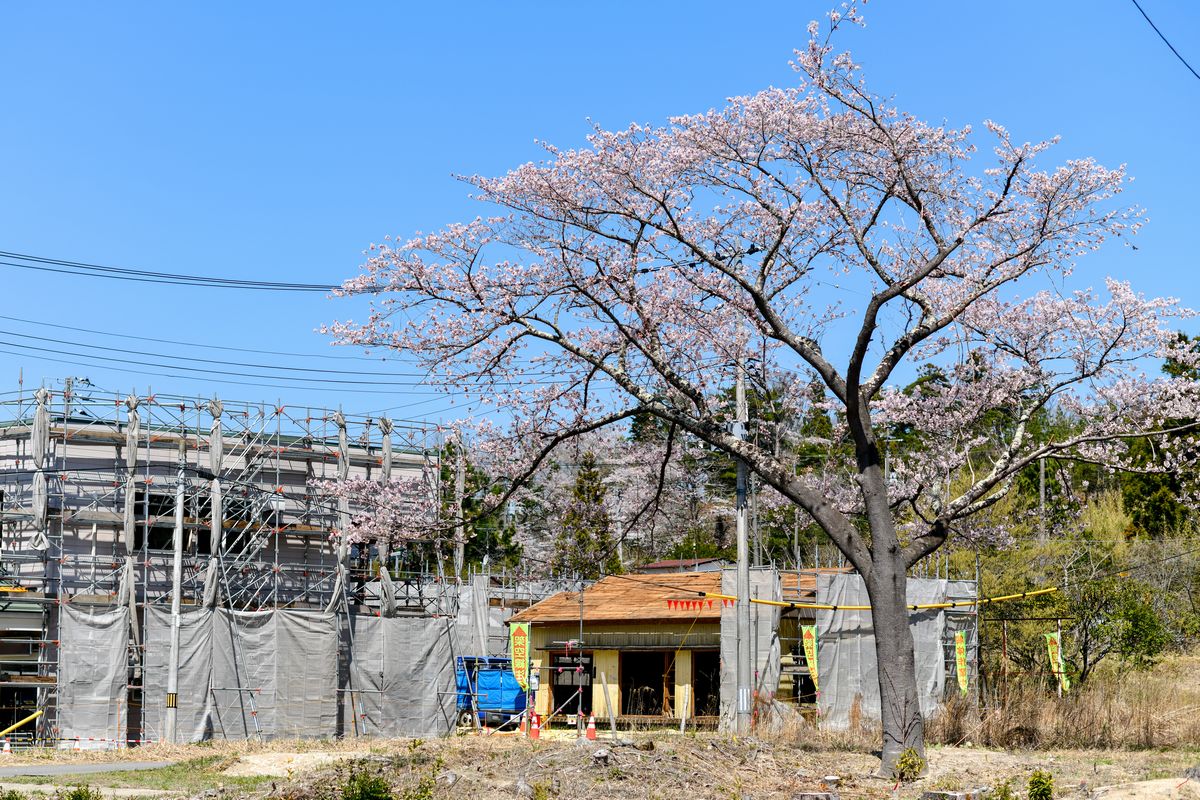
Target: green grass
{"points": [[193, 775]]}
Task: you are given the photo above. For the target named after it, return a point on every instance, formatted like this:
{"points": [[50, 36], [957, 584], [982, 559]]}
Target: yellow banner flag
{"points": [[1054, 650], [960, 660], [808, 633], [518, 650]]}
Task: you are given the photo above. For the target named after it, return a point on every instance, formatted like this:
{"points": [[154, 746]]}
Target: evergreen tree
{"points": [[584, 546], [1157, 502]]}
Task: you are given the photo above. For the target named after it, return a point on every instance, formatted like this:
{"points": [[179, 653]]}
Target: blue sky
{"points": [[278, 140]]}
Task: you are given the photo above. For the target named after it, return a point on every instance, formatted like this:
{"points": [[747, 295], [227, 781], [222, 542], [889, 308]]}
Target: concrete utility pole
{"points": [[176, 583], [743, 568], [1042, 499], [460, 490]]}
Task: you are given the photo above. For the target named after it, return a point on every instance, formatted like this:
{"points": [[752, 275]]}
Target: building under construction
{"points": [[170, 573], [280, 628]]}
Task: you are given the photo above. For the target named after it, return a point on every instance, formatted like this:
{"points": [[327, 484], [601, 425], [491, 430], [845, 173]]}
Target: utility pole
{"points": [[460, 488], [176, 582], [1042, 499], [743, 568], [753, 502]]}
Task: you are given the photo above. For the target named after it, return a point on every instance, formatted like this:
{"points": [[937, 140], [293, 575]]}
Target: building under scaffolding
{"points": [[282, 628]]}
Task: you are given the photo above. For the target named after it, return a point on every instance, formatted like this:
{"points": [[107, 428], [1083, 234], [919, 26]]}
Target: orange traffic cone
{"points": [[591, 728], [535, 728], [7, 747], [521, 723]]}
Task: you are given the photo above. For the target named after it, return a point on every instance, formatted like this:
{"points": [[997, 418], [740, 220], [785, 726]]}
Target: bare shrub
{"points": [[1117, 708]]}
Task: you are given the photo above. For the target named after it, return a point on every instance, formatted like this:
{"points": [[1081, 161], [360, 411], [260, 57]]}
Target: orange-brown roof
{"points": [[671, 563], [633, 598]]}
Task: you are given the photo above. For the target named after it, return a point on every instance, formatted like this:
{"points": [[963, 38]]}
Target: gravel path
{"points": [[51, 770]]}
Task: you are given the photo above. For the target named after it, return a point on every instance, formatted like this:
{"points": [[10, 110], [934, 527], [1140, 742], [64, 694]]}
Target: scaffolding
{"points": [[91, 482]]}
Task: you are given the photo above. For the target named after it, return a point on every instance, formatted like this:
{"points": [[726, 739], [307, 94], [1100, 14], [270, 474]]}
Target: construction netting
{"points": [[402, 676], [847, 666], [278, 674], [93, 675], [764, 642], [194, 715], [480, 626], [274, 673], [964, 621]]}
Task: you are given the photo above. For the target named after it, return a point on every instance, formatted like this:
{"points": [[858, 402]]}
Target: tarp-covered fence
{"points": [[966, 621], [194, 714], [402, 677], [764, 642], [846, 660], [274, 674], [93, 674]]}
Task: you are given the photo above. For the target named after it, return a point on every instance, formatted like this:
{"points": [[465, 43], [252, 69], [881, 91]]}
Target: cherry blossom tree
{"points": [[819, 233], [400, 511]]}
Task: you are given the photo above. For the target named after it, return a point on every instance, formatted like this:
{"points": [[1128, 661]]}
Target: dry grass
{"points": [[1119, 709], [664, 766], [792, 758]]}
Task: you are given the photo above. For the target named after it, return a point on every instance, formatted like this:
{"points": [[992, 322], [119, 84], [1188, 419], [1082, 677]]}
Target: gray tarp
{"points": [[40, 435], [245, 674], [306, 677], [132, 434], [279, 666], [93, 674], [387, 591], [960, 620], [848, 671], [40, 502], [216, 454], [194, 717], [402, 676], [129, 516], [764, 629], [480, 627], [212, 583], [40, 442]]}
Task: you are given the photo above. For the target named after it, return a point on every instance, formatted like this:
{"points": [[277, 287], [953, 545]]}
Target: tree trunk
{"points": [[899, 705]]}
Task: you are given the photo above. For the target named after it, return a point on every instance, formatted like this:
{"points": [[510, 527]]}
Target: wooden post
{"points": [[1062, 661], [1004, 662], [612, 713]]}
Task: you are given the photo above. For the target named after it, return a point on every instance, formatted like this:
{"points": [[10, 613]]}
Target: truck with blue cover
{"points": [[488, 692]]}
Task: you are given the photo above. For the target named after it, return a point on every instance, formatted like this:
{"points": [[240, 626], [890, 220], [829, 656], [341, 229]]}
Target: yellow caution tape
{"points": [[917, 607]]}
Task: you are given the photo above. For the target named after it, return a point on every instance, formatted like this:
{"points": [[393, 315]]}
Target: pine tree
{"points": [[584, 546]]}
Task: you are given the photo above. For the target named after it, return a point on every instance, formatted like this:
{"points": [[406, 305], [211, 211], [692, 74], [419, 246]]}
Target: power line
{"points": [[1165, 40], [212, 379], [436, 395], [204, 370], [305, 374], [160, 340], [316, 371], [44, 264], [528, 378]]}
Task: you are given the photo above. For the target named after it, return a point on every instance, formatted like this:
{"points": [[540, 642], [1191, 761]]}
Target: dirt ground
{"points": [[646, 767], [664, 766]]}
